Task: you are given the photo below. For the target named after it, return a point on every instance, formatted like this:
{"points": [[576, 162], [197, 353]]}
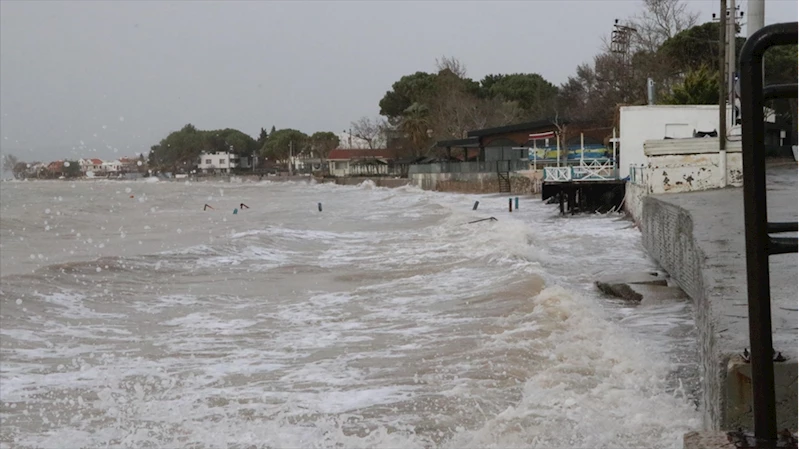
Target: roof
{"points": [[348, 154], [526, 126], [471, 142], [96, 161]]}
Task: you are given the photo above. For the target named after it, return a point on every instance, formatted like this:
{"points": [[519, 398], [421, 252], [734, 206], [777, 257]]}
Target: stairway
{"points": [[504, 182]]}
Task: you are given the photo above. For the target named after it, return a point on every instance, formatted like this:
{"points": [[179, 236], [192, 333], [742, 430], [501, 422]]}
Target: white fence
{"points": [[592, 170], [558, 174]]}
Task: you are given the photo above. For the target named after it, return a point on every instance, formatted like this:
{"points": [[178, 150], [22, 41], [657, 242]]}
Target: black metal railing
{"points": [[759, 244]]}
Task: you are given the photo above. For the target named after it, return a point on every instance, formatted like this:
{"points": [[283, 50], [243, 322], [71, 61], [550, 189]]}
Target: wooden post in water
{"points": [[510, 204]]}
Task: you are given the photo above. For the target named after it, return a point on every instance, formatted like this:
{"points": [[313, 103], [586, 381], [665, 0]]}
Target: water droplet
{"points": [[179, 231], [99, 269], [121, 119], [19, 301]]}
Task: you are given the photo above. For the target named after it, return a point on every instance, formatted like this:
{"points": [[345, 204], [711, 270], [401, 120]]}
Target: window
{"points": [[208, 162], [221, 161]]}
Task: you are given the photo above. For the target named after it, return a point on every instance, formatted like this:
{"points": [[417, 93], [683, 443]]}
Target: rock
{"points": [[707, 440], [622, 291], [646, 287]]}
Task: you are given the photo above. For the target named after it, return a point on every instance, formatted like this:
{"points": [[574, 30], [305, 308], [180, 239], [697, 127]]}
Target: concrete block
{"points": [[707, 440], [739, 394], [645, 277], [629, 286], [653, 294], [644, 293]]}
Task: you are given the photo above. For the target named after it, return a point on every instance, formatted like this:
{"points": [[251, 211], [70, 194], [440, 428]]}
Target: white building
{"points": [[92, 165], [111, 167], [221, 162], [641, 123]]}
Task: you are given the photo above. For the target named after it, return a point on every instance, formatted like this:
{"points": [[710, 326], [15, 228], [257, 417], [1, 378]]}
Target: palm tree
{"points": [[416, 125]]}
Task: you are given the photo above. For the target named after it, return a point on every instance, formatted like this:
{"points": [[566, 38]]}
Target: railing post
{"points": [[756, 223]]}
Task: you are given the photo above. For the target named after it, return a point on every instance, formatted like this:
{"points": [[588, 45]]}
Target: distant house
{"points": [[111, 167], [91, 165], [222, 162], [56, 168], [352, 162], [35, 169], [128, 164], [305, 162]]}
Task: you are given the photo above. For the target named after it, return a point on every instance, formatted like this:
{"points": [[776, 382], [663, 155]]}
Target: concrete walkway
{"points": [[698, 238]]}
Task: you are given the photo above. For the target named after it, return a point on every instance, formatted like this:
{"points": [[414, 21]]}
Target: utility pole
{"points": [[728, 22], [620, 44], [722, 77], [731, 35]]}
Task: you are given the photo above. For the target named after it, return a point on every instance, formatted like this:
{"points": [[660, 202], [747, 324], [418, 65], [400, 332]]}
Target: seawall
{"points": [[521, 183], [698, 238]]}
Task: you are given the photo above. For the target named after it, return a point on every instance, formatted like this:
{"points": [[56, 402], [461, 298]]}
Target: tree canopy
{"points": [[700, 86], [280, 141], [183, 147], [322, 143]]}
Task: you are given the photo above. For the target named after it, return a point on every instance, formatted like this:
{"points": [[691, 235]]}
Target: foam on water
{"points": [[385, 321]]}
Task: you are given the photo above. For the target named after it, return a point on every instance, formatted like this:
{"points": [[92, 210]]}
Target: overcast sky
{"points": [[118, 76]]}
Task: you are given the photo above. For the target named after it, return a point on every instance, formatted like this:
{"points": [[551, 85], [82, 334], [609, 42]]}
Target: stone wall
{"points": [[691, 172], [634, 195], [698, 239], [521, 183], [667, 232], [379, 181]]}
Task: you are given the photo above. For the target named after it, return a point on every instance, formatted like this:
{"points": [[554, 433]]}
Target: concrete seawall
{"points": [[521, 183], [698, 238]]}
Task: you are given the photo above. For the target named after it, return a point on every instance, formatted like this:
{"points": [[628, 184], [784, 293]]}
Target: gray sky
{"points": [[121, 75]]}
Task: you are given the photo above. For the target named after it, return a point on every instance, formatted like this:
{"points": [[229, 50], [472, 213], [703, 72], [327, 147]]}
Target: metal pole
{"points": [[291, 157], [758, 242], [613, 156], [731, 22], [582, 148], [722, 77], [755, 16]]}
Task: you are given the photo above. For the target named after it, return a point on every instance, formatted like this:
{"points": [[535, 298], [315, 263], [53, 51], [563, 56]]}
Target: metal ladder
{"points": [[759, 243], [503, 176]]}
